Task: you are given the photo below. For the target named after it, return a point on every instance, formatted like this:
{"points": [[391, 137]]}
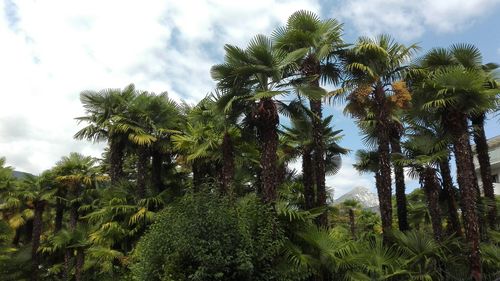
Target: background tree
{"points": [[452, 92], [373, 66], [313, 44], [250, 75]]}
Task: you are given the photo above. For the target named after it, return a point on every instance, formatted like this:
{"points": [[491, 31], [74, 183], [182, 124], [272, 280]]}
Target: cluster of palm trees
{"points": [[86, 216]]}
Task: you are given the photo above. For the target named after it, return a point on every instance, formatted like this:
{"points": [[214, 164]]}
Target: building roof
{"points": [[494, 142]]}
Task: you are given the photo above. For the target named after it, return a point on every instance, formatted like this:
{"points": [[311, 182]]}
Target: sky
{"points": [[53, 50]]}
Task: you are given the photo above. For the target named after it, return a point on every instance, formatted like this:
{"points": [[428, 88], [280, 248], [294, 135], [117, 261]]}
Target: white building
{"points": [[494, 152]]}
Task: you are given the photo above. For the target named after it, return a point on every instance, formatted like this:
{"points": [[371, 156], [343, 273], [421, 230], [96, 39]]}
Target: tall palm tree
{"points": [[373, 66], [148, 124], [449, 193], [77, 172], [422, 155], [299, 142], [159, 117], [478, 119], [452, 92], [103, 109], [313, 44], [253, 77], [352, 205], [39, 193], [396, 134], [367, 162], [208, 142]]}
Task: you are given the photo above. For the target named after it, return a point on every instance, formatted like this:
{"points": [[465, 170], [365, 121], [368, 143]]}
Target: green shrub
{"points": [[205, 237]]}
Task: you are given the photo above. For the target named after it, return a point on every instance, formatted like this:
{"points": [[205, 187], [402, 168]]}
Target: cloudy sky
{"points": [[52, 50]]}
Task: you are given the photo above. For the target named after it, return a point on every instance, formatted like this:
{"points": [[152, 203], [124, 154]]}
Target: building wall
{"points": [[494, 152]]}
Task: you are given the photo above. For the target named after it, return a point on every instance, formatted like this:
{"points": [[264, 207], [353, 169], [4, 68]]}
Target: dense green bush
{"points": [[205, 237]]}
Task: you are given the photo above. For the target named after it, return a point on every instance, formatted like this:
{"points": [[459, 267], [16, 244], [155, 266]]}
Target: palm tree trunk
{"points": [[80, 259], [67, 261], [17, 237], [485, 167], [431, 189], [352, 223], [308, 179], [157, 161], [319, 160], [142, 165], [267, 119], [399, 177], [116, 147], [59, 215], [444, 167], [456, 122], [73, 221], [228, 165], [29, 231], [311, 68], [35, 242], [197, 174], [384, 164]]}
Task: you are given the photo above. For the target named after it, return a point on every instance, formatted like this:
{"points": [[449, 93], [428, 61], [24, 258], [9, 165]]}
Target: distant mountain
{"points": [[361, 194], [20, 175]]}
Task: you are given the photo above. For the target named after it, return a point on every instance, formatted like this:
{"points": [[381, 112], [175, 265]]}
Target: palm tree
{"points": [[399, 175], [159, 117], [366, 162], [78, 172], [298, 139], [449, 192], [479, 135], [103, 109], [452, 92], [422, 156], [374, 66], [351, 206], [313, 44], [208, 142], [149, 123], [253, 77], [38, 193]]}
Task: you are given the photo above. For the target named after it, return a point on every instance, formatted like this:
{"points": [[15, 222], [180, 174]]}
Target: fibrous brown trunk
{"points": [[142, 165], [384, 163], [17, 237], [352, 223], [267, 119], [197, 174], [35, 242], [29, 230], [67, 261], [456, 123], [156, 167], [319, 161], [73, 221], [431, 190], [59, 215], [227, 165], [399, 177], [444, 167], [311, 69], [485, 167], [80, 259], [307, 179], [116, 147]]}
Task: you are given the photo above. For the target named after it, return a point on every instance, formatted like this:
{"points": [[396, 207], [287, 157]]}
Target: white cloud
{"points": [[52, 50], [410, 19]]}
